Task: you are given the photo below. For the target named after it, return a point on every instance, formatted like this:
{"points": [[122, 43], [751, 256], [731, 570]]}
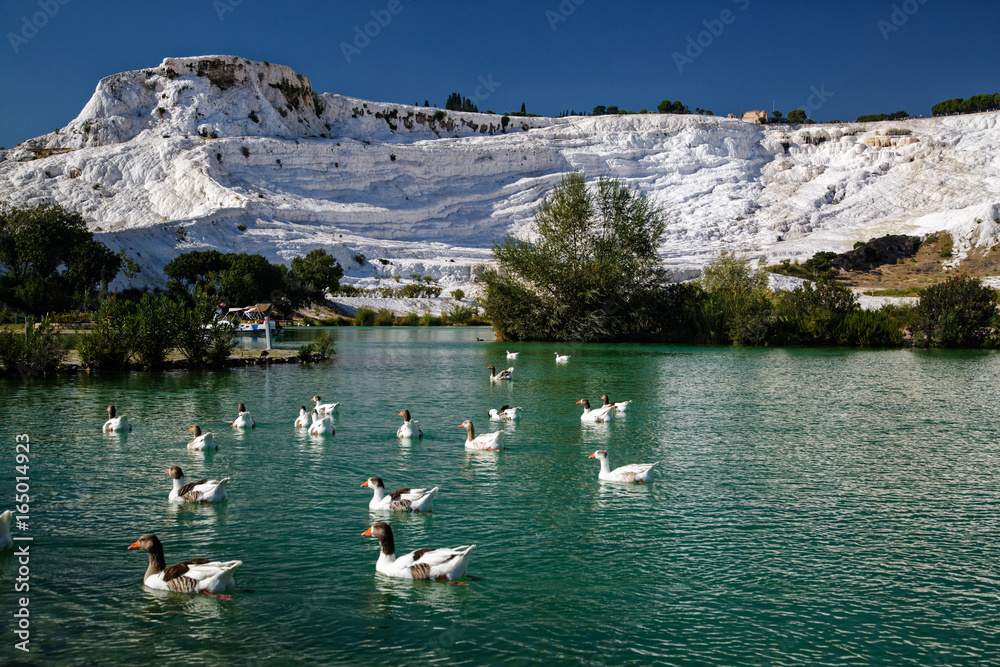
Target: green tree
{"points": [[312, 276], [108, 344], [153, 324], [50, 260], [600, 110], [35, 351], [813, 313], [737, 308], [959, 312], [797, 116], [592, 273]]}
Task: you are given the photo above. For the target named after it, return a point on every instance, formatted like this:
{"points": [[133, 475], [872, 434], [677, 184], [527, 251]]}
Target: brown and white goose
{"points": [[198, 575], [324, 408], [201, 440], [620, 406], [410, 427], [446, 564], [243, 419], [304, 419], [401, 500], [505, 413], [488, 441], [203, 491], [115, 424], [506, 374], [605, 413]]}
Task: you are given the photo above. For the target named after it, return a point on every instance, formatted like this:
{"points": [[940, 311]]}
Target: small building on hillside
{"points": [[756, 116]]}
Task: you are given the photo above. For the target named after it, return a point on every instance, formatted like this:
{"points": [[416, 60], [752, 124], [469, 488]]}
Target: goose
{"points": [[198, 575], [401, 500], [561, 358], [410, 427], [304, 418], [605, 413], [505, 413], [444, 564], [620, 406], [512, 355], [203, 491], [507, 374], [6, 541], [321, 425], [201, 440], [324, 408], [244, 420], [633, 472], [115, 424], [488, 441]]}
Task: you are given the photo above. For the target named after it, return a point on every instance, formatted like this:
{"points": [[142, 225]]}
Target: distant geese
{"points": [[321, 425], [203, 491], [620, 406], [115, 424], [561, 358], [486, 441], [506, 374], [511, 355], [200, 441], [444, 564], [401, 500], [505, 413], [409, 429], [634, 472], [243, 420], [198, 575], [605, 413], [324, 408]]}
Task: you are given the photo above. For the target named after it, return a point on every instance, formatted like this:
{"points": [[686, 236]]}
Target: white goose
{"points": [[446, 564], [6, 541], [410, 427], [506, 374], [304, 419], [115, 424], [321, 425], [505, 413], [633, 472], [401, 500], [512, 355], [244, 420], [605, 413], [620, 406], [201, 440], [561, 358], [198, 575], [203, 491], [324, 408], [488, 441]]}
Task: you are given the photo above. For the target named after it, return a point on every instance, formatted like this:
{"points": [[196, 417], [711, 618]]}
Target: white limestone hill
{"points": [[246, 156]]}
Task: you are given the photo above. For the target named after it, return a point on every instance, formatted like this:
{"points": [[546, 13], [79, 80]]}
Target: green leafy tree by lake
{"points": [[312, 276], [737, 308], [959, 312], [50, 261], [592, 272]]}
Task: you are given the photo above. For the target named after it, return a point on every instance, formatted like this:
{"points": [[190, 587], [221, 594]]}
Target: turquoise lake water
{"points": [[811, 507]]}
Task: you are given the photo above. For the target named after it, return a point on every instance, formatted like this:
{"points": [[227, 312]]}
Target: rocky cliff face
{"points": [[245, 155]]}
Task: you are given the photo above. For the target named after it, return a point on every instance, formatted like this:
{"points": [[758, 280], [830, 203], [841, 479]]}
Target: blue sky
{"points": [[842, 58]]}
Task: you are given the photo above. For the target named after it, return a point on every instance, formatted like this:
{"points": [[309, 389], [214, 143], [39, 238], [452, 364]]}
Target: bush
{"points": [[36, 351], [410, 320], [365, 317], [812, 313], [384, 318], [429, 320], [459, 314], [457, 294], [870, 328], [959, 312], [737, 305], [153, 324], [306, 352], [108, 345], [323, 344]]}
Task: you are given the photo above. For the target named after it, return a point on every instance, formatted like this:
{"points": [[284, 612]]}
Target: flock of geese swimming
{"points": [[200, 575]]}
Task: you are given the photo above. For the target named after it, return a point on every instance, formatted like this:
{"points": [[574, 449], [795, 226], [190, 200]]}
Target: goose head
{"points": [[374, 483], [175, 472], [383, 533], [148, 542], [242, 408], [405, 414], [195, 431], [467, 425], [111, 412], [585, 403], [599, 454], [604, 397]]}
